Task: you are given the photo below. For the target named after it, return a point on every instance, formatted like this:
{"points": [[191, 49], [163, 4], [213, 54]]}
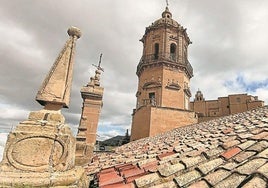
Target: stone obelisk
{"points": [[40, 152]]}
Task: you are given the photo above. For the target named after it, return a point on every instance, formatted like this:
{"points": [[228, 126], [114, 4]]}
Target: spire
{"points": [[167, 2], [56, 87], [166, 13]]}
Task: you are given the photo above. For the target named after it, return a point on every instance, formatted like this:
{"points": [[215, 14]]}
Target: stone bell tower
{"points": [[164, 74], [92, 95]]}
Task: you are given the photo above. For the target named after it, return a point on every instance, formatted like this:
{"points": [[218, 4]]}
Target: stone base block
{"points": [[75, 178], [40, 152], [84, 153]]}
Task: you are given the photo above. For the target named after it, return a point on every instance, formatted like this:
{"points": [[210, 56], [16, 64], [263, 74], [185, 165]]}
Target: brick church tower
{"points": [[164, 74], [92, 95]]}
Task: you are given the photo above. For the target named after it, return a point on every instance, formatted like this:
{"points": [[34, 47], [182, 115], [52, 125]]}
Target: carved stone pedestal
{"points": [[84, 153], [40, 152]]}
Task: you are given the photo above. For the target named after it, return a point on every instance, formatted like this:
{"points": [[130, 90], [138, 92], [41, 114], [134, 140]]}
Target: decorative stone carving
{"points": [[40, 151], [174, 86], [151, 84]]}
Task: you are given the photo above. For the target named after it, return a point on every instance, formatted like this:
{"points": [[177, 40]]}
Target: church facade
{"points": [[223, 106], [164, 74]]}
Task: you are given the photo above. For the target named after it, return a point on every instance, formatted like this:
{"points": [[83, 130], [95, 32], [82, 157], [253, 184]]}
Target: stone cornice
{"points": [[178, 66]]}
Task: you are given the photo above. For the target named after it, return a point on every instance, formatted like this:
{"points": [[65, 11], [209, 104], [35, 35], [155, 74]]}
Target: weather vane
{"points": [[98, 66], [167, 2]]}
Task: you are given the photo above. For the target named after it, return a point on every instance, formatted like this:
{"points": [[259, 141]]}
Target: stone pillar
{"points": [[40, 152], [92, 95]]}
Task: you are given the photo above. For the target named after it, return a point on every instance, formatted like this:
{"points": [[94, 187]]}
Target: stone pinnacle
{"points": [[74, 31], [56, 87]]}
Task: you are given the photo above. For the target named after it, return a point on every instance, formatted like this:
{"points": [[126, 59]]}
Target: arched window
{"points": [[173, 51], [156, 51]]}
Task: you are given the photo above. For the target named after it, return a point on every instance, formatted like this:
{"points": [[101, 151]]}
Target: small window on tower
{"points": [[152, 98], [173, 51], [156, 51]]}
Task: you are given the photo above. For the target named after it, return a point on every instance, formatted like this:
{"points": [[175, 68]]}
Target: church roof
{"points": [[227, 152]]}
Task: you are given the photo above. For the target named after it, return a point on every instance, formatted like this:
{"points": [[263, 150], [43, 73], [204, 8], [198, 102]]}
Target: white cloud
{"points": [[229, 38]]}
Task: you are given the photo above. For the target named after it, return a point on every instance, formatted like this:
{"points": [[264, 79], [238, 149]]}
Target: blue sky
{"points": [[248, 86]]}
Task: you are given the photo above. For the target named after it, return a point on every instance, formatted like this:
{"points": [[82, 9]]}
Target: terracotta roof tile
{"points": [[170, 169], [227, 152], [251, 166], [170, 157], [229, 144], [217, 176], [256, 182], [152, 167], [147, 179], [231, 181], [210, 165], [260, 135], [187, 178], [229, 166], [260, 146], [147, 162], [110, 178], [257, 130], [246, 144], [199, 184], [133, 177], [264, 169], [228, 130], [170, 184], [264, 153], [231, 152], [164, 155], [119, 185], [213, 152], [132, 172], [245, 135], [244, 155], [191, 161]]}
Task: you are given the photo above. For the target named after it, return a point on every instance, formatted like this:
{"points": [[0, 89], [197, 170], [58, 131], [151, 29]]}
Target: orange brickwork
{"points": [[164, 77]]}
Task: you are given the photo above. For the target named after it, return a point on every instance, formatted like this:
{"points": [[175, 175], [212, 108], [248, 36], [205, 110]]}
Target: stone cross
{"points": [[98, 66]]}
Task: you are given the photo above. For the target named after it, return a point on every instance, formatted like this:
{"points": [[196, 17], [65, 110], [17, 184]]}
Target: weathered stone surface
{"points": [[57, 84], [92, 95], [40, 152]]}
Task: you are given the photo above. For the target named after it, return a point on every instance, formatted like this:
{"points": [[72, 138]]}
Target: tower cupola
{"points": [[167, 14]]}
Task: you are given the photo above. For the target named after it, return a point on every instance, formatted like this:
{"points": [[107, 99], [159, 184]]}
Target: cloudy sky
{"points": [[229, 53]]}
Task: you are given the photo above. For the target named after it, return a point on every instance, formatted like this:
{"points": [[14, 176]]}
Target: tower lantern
{"points": [[164, 74]]}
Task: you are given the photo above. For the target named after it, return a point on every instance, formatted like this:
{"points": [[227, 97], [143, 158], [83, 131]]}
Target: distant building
{"points": [[210, 109], [164, 74]]}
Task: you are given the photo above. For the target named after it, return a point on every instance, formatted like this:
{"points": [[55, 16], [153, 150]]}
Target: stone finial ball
{"points": [[74, 31]]}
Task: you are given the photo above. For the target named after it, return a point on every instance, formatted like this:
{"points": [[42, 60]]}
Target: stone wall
{"points": [[151, 120]]}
